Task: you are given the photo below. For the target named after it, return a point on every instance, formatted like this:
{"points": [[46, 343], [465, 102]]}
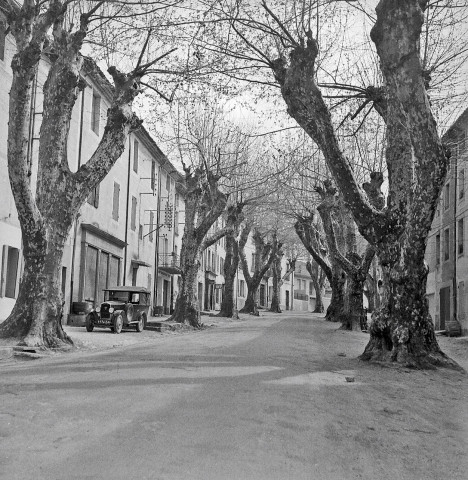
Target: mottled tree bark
{"points": [[335, 216], [204, 203], [46, 217], [276, 287], [317, 276], [307, 231], [265, 254], [278, 281], [231, 262], [402, 331]]}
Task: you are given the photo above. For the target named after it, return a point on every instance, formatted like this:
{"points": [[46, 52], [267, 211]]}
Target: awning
{"points": [[102, 234], [139, 263]]}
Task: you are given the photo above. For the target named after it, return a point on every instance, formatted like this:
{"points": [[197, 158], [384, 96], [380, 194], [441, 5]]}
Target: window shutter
{"points": [[115, 202], [96, 196], [2, 39]]}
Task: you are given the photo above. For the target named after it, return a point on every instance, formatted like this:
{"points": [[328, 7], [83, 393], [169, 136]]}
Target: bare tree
{"points": [[402, 331], [308, 230], [57, 30], [354, 264], [318, 277], [267, 248]]}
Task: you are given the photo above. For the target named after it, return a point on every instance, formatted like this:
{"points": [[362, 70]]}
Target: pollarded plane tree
{"points": [[355, 264], [56, 30], [318, 278], [251, 182], [402, 330], [211, 150], [266, 248], [309, 229], [299, 200]]}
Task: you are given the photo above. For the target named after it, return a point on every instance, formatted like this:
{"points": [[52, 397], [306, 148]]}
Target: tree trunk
{"points": [[250, 305], [315, 274], [402, 330], [275, 300], [187, 307], [337, 302], [231, 264], [36, 319], [353, 317]]}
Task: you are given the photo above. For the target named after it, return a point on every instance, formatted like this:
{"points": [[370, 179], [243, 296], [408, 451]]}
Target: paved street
{"points": [[276, 397]]}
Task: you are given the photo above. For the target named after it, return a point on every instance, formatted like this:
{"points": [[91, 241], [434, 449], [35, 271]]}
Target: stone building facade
{"points": [[446, 252]]}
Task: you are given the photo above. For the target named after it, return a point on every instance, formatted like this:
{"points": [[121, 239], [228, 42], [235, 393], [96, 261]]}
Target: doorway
{"points": [[444, 298]]}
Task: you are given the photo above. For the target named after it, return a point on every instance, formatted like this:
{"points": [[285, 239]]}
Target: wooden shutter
{"points": [[115, 201]]}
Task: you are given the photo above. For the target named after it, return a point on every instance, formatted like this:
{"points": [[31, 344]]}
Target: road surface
{"points": [[275, 397]]}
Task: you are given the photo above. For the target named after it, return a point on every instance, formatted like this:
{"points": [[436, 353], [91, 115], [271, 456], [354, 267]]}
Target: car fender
{"points": [[121, 312], [129, 312]]}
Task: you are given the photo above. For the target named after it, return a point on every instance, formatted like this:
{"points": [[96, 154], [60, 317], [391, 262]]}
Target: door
{"points": [[165, 297], [262, 295], [444, 297], [287, 299], [200, 296]]}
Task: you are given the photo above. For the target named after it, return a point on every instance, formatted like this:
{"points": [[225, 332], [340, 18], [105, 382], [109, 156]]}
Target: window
{"points": [[114, 271], [93, 197], [151, 227], [135, 156], [437, 252], [140, 232], [2, 39], [10, 261], [460, 237], [241, 288], [134, 277], [90, 272], [153, 176], [176, 222], [461, 184], [446, 244], [447, 196], [96, 113], [310, 289], [168, 183], [252, 267], [116, 201], [64, 281], [133, 214]]}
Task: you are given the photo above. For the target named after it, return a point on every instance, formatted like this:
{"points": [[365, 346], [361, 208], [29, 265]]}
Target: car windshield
{"points": [[117, 296]]}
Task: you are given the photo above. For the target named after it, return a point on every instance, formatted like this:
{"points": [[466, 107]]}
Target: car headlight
{"points": [[111, 310], [98, 309]]}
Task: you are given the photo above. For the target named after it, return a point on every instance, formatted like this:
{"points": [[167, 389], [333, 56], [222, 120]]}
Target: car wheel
{"points": [[118, 323], [89, 322], [141, 323]]}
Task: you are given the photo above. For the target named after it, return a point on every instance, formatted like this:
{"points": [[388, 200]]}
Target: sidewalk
{"points": [[102, 339]]}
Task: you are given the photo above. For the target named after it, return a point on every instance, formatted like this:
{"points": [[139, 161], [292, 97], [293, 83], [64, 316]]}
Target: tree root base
{"points": [[429, 361]]}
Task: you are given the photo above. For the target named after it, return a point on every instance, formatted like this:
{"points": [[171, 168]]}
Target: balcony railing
{"points": [[169, 263]]}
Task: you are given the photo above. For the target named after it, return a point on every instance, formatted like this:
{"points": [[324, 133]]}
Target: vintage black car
{"points": [[122, 307]]}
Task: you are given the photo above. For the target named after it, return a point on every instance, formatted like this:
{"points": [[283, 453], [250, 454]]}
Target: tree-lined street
{"points": [[261, 398]]}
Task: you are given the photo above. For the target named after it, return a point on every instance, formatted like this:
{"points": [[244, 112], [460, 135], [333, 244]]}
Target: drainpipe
{"points": [[32, 125], [156, 253], [292, 290], [129, 171], [455, 246], [75, 227], [173, 247]]}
